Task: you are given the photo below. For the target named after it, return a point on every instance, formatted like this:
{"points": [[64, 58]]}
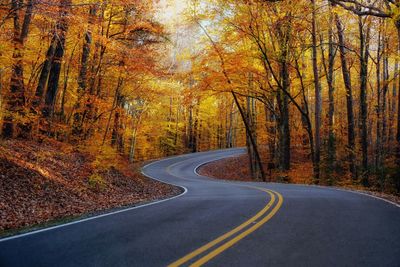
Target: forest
{"points": [[307, 86]]}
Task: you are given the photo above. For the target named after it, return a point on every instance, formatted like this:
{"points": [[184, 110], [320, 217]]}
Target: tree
{"points": [[16, 98], [317, 87], [349, 98]]}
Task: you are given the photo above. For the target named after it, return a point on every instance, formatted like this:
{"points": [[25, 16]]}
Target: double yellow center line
{"points": [[211, 249]]}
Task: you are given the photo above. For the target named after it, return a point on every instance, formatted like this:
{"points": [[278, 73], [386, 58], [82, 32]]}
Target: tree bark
{"points": [[44, 73], [15, 100], [378, 141], [331, 157], [393, 103], [318, 104], [80, 116], [364, 55], [349, 99], [55, 70], [397, 179], [251, 137], [114, 106], [283, 104]]}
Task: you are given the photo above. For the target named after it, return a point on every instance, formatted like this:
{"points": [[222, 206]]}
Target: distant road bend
{"points": [[222, 223]]}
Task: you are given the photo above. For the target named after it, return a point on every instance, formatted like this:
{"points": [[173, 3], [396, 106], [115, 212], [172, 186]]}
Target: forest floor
{"points": [[51, 182], [237, 169]]}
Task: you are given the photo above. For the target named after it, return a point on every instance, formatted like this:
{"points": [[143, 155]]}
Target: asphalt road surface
{"points": [[218, 223]]}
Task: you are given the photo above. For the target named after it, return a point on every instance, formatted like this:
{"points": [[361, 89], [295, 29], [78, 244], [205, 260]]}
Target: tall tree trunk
{"points": [[133, 139], [177, 127], [393, 102], [55, 70], [378, 141], [382, 115], [79, 115], [283, 104], [397, 179], [249, 146], [385, 89], [67, 68], [364, 55], [349, 99], [115, 130], [271, 131], [119, 87], [44, 73], [251, 119], [229, 131], [329, 70], [195, 129], [117, 135], [15, 100], [190, 128], [132, 146], [318, 104], [305, 115]]}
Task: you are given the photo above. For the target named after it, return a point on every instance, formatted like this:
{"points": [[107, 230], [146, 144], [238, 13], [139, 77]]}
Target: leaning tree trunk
{"points": [[251, 137]]}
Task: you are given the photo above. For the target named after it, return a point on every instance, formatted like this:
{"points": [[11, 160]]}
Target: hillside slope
{"points": [[42, 182]]}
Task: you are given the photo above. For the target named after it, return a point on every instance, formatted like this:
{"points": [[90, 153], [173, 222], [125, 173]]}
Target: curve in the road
{"points": [[311, 227]]}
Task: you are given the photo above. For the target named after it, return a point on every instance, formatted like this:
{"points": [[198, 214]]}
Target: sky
{"points": [[171, 10], [171, 14]]}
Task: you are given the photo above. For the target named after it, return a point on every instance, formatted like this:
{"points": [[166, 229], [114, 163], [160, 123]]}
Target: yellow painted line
{"points": [[239, 237], [228, 234]]}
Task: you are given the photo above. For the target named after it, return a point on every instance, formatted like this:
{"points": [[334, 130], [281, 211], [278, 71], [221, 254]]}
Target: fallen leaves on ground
{"points": [[238, 169], [41, 182]]}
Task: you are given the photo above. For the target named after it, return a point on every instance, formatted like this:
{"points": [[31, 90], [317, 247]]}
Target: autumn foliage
{"points": [[307, 86], [319, 77]]}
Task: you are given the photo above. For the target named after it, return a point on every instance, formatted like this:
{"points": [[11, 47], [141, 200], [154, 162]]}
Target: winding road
{"points": [[221, 223]]}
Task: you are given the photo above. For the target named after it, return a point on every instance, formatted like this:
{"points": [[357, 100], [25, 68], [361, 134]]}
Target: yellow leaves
{"points": [[96, 181], [395, 14]]}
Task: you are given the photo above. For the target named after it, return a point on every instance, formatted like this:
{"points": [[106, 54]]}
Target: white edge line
{"points": [[310, 185], [348, 191], [356, 192], [106, 214]]}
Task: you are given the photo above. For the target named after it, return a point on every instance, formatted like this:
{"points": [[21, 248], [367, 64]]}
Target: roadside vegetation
{"points": [[237, 169]]}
